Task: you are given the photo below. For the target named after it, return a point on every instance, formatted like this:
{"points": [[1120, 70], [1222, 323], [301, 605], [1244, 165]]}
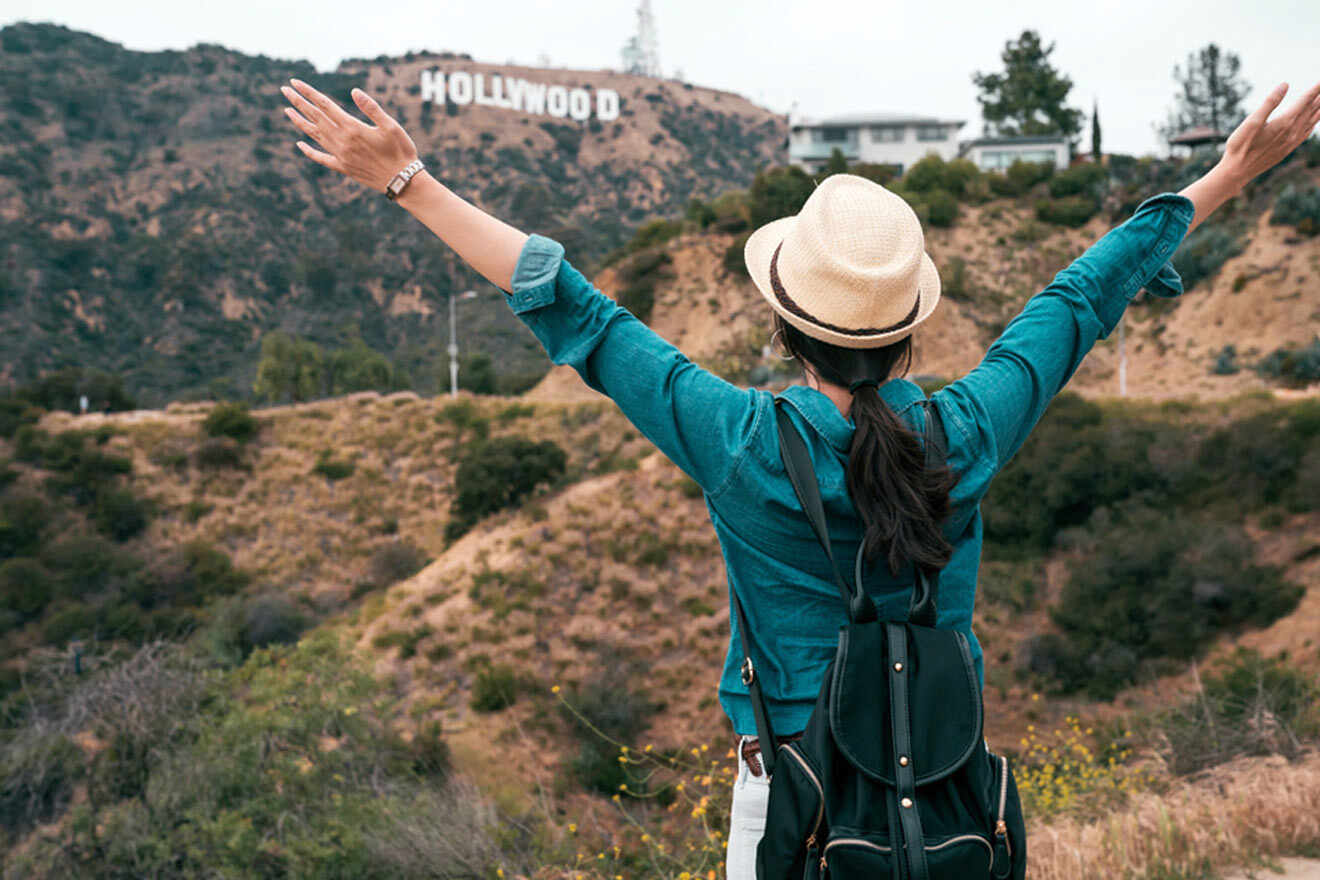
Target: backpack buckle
{"points": [[748, 671]]}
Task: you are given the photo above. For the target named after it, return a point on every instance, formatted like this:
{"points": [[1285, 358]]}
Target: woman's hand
{"points": [[369, 154], [1257, 145]]}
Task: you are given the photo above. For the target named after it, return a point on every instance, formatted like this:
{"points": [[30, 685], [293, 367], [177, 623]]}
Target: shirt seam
{"points": [[742, 452]]}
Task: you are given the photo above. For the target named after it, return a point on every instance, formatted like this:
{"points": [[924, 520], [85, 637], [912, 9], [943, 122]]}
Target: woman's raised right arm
{"points": [[997, 404]]}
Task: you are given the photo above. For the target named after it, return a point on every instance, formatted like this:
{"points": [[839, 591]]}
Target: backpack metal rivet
{"points": [[902, 760], [898, 667], [906, 802]]}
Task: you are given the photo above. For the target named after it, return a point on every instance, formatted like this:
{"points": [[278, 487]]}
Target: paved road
{"points": [[1293, 869]]}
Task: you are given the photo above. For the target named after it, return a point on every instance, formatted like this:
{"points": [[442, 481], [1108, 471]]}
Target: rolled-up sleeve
{"points": [[700, 421], [998, 403]]}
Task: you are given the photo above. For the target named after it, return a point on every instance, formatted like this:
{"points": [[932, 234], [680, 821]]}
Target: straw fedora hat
{"points": [[850, 268]]}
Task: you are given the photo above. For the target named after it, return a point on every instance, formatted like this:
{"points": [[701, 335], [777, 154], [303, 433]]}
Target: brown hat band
{"points": [[787, 302]]}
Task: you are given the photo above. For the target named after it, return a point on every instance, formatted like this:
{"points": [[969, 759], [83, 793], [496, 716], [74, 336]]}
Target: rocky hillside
{"points": [[157, 219]]}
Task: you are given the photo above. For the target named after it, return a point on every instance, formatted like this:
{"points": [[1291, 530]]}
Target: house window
{"points": [[930, 133], [834, 135], [886, 135]]}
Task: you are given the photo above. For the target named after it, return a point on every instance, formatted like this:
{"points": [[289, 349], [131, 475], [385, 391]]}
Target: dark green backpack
{"points": [[892, 776]]}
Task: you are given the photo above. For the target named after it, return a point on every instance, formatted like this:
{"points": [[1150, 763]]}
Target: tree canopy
{"points": [[1210, 92], [1028, 97]]}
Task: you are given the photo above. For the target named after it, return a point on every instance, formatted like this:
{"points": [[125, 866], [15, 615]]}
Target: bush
{"points": [[271, 620], [232, 420], [1156, 587], [1071, 211], [1295, 366], [1299, 207], [1226, 362], [880, 173], [395, 561], [926, 174], [495, 688], [121, 514], [498, 474], [14, 414], [1250, 706], [23, 518], [1204, 250], [1084, 179], [1025, 175], [25, 587], [331, 468], [639, 278], [960, 178], [942, 208], [84, 564], [609, 703], [216, 453], [653, 233], [735, 261], [778, 192]]}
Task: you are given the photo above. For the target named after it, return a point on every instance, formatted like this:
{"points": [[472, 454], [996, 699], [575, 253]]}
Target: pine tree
{"points": [[1095, 133], [1028, 97], [1211, 92]]}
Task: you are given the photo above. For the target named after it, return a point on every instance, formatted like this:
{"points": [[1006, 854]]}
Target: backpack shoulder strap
{"points": [[925, 594]]}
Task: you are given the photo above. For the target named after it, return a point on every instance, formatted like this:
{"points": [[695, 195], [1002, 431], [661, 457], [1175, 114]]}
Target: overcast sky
{"points": [[830, 56]]}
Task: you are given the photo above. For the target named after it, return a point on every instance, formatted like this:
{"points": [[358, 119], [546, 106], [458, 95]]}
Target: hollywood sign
{"points": [[512, 93]]}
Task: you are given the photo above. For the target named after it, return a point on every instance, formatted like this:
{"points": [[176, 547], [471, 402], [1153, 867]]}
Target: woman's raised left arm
{"points": [[700, 421], [372, 155]]}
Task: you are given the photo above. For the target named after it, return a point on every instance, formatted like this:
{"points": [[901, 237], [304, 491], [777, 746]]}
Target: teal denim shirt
{"points": [[725, 438]]}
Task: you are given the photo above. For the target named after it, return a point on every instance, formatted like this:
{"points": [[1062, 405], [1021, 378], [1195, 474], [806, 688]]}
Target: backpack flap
{"points": [[944, 702]]}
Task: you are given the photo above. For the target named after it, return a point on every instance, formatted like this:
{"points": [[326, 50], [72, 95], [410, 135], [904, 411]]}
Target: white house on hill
{"points": [[882, 138], [996, 154]]}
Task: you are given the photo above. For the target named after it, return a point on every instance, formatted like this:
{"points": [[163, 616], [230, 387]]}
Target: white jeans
{"points": [[746, 820]]}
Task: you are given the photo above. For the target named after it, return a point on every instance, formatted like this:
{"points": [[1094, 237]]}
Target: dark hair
{"points": [[902, 503]]}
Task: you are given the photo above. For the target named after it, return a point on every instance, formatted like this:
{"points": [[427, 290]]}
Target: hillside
{"points": [[158, 220], [992, 260]]}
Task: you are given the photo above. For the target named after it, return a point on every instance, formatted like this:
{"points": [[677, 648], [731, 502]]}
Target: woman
{"points": [[848, 281]]}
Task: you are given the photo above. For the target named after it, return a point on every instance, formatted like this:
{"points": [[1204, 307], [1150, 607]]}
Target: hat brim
{"points": [[760, 248]]}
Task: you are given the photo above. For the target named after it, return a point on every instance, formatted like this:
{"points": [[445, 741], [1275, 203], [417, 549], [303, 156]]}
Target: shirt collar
{"points": [[821, 413]]}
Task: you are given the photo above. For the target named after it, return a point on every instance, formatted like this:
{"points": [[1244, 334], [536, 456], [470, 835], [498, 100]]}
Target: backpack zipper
{"points": [[1001, 827], [879, 847], [811, 774]]}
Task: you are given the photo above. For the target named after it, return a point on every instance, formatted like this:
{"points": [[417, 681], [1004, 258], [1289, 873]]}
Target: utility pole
{"points": [[453, 342], [1122, 360]]}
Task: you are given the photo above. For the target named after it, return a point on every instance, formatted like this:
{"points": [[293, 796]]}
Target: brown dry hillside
{"points": [[1264, 298]]}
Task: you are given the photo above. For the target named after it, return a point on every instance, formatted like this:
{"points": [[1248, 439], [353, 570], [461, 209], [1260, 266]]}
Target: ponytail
{"points": [[901, 501]]}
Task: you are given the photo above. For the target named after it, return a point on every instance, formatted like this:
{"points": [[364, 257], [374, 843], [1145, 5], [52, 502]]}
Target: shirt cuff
{"points": [[534, 275], [1164, 281]]}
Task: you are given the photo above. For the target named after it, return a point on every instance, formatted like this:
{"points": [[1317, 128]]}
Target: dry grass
{"points": [[1236, 814]]}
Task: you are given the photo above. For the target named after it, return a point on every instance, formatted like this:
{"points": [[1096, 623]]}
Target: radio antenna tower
{"points": [[641, 54]]}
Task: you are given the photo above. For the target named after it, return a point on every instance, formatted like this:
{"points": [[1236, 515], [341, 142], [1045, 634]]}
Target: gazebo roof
{"points": [[1200, 134]]}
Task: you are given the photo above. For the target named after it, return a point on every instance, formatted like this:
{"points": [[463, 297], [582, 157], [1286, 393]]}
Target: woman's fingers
{"points": [[301, 124], [321, 158], [331, 111], [373, 111], [1272, 100]]}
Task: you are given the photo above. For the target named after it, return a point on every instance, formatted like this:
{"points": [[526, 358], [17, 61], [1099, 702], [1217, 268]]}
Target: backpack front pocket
{"points": [[862, 854]]}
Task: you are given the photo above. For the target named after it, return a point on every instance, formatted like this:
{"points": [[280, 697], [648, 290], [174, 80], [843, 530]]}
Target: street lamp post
{"points": [[453, 343]]}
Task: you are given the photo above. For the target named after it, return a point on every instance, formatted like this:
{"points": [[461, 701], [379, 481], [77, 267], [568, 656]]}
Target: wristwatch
{"points": [[400, 180]]}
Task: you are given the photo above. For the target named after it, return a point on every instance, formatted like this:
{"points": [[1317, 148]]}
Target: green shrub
{"points": [[942, 208], [498, 474], [1001, 185], [68, 622], [23, 517], [271, 620], [16, 412], [1226, 362], [37, 779], [1023, 176], [639, 277], [495, 688], [121, 514], [1255, 461], [1299, 207], [405, 640], [653, 233], [216, 453], [232, 420], [1249, 706], [25, 586], [953, 280], [1084, 179], [960, 178], [1295, 366], [877, 172], [925, 174], [395, 561], [610, 704], [1071, 211], [735, 261], [1155, 586], [1204, 250], [778, 192], [84, 564], [332, 468]]}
